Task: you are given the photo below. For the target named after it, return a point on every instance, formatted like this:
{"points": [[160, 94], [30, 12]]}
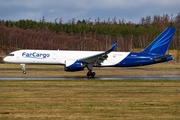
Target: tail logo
{"points": [[164, 40], [160, 44]]}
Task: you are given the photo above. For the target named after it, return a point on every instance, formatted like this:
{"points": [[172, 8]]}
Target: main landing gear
{"points": [[90, 73], [23, 68]]}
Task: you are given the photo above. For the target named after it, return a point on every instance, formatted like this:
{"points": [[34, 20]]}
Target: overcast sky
{"points": [[129, 10]]}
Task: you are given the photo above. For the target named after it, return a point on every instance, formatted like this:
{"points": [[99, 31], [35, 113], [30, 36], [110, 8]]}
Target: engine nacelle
{"points": [[73, 65]]}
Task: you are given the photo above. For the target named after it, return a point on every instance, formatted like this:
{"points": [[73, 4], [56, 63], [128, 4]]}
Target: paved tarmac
{"points": [[165, 77]]}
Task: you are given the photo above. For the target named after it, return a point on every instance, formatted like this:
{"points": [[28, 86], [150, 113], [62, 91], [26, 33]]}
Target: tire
{"points": [[93, 74]]}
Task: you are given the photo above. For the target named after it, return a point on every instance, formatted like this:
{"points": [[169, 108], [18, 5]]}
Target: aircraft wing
{"points": [[98, 58]]}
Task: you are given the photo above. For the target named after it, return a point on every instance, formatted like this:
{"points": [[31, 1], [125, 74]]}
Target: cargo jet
{"points": [[79, 60]]}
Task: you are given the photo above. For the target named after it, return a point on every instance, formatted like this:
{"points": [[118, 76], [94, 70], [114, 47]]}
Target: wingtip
{"points": [[113, 46]]}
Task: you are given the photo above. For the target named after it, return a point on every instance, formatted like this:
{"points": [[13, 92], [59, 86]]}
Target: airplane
{"points": [[79, 60]]}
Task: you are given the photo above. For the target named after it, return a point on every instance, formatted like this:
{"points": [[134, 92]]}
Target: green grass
{"points": [[91, 99]]}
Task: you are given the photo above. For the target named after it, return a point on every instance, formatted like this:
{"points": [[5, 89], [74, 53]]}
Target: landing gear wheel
{"points": [[91, 74], [24, 72]]}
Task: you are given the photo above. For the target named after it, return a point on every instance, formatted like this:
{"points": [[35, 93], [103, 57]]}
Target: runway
{"points": [[164, 77]]}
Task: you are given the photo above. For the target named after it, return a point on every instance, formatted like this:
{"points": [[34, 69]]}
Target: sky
{"points": [[129, 10]]}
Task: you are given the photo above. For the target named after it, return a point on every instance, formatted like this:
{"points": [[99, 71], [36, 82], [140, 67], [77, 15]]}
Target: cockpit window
{"points": [[11, 55]]}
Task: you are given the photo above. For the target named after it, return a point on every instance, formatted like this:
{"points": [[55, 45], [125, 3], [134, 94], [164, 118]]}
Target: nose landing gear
{"points": [[23, 68]]}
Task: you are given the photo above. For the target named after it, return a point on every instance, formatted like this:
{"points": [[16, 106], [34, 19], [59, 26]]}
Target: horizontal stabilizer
{"points": [[161, 58]]}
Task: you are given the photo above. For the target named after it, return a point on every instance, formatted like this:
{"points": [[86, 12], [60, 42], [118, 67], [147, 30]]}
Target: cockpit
{"points": [[10, 55], [9, 58]]}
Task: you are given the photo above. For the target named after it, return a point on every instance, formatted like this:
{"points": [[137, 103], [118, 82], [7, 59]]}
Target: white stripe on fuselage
{"points": [[60, 56]]}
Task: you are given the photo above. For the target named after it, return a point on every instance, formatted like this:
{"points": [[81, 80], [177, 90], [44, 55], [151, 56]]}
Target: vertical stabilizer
{"points": [[160, 44]]}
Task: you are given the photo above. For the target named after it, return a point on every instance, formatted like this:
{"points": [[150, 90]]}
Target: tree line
{"points": [[86, 34]]}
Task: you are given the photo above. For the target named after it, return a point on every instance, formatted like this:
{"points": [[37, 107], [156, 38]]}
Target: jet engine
{"points": [[73, 65]]}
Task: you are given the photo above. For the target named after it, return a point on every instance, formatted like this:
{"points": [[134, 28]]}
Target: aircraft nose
{"points": [[5, 59]]}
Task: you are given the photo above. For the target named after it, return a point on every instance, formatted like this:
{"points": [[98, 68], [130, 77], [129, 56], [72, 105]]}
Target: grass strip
{"points": [[90, 99]]}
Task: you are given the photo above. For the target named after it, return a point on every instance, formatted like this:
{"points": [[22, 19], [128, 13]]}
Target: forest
{"points": [[86, 34]]}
